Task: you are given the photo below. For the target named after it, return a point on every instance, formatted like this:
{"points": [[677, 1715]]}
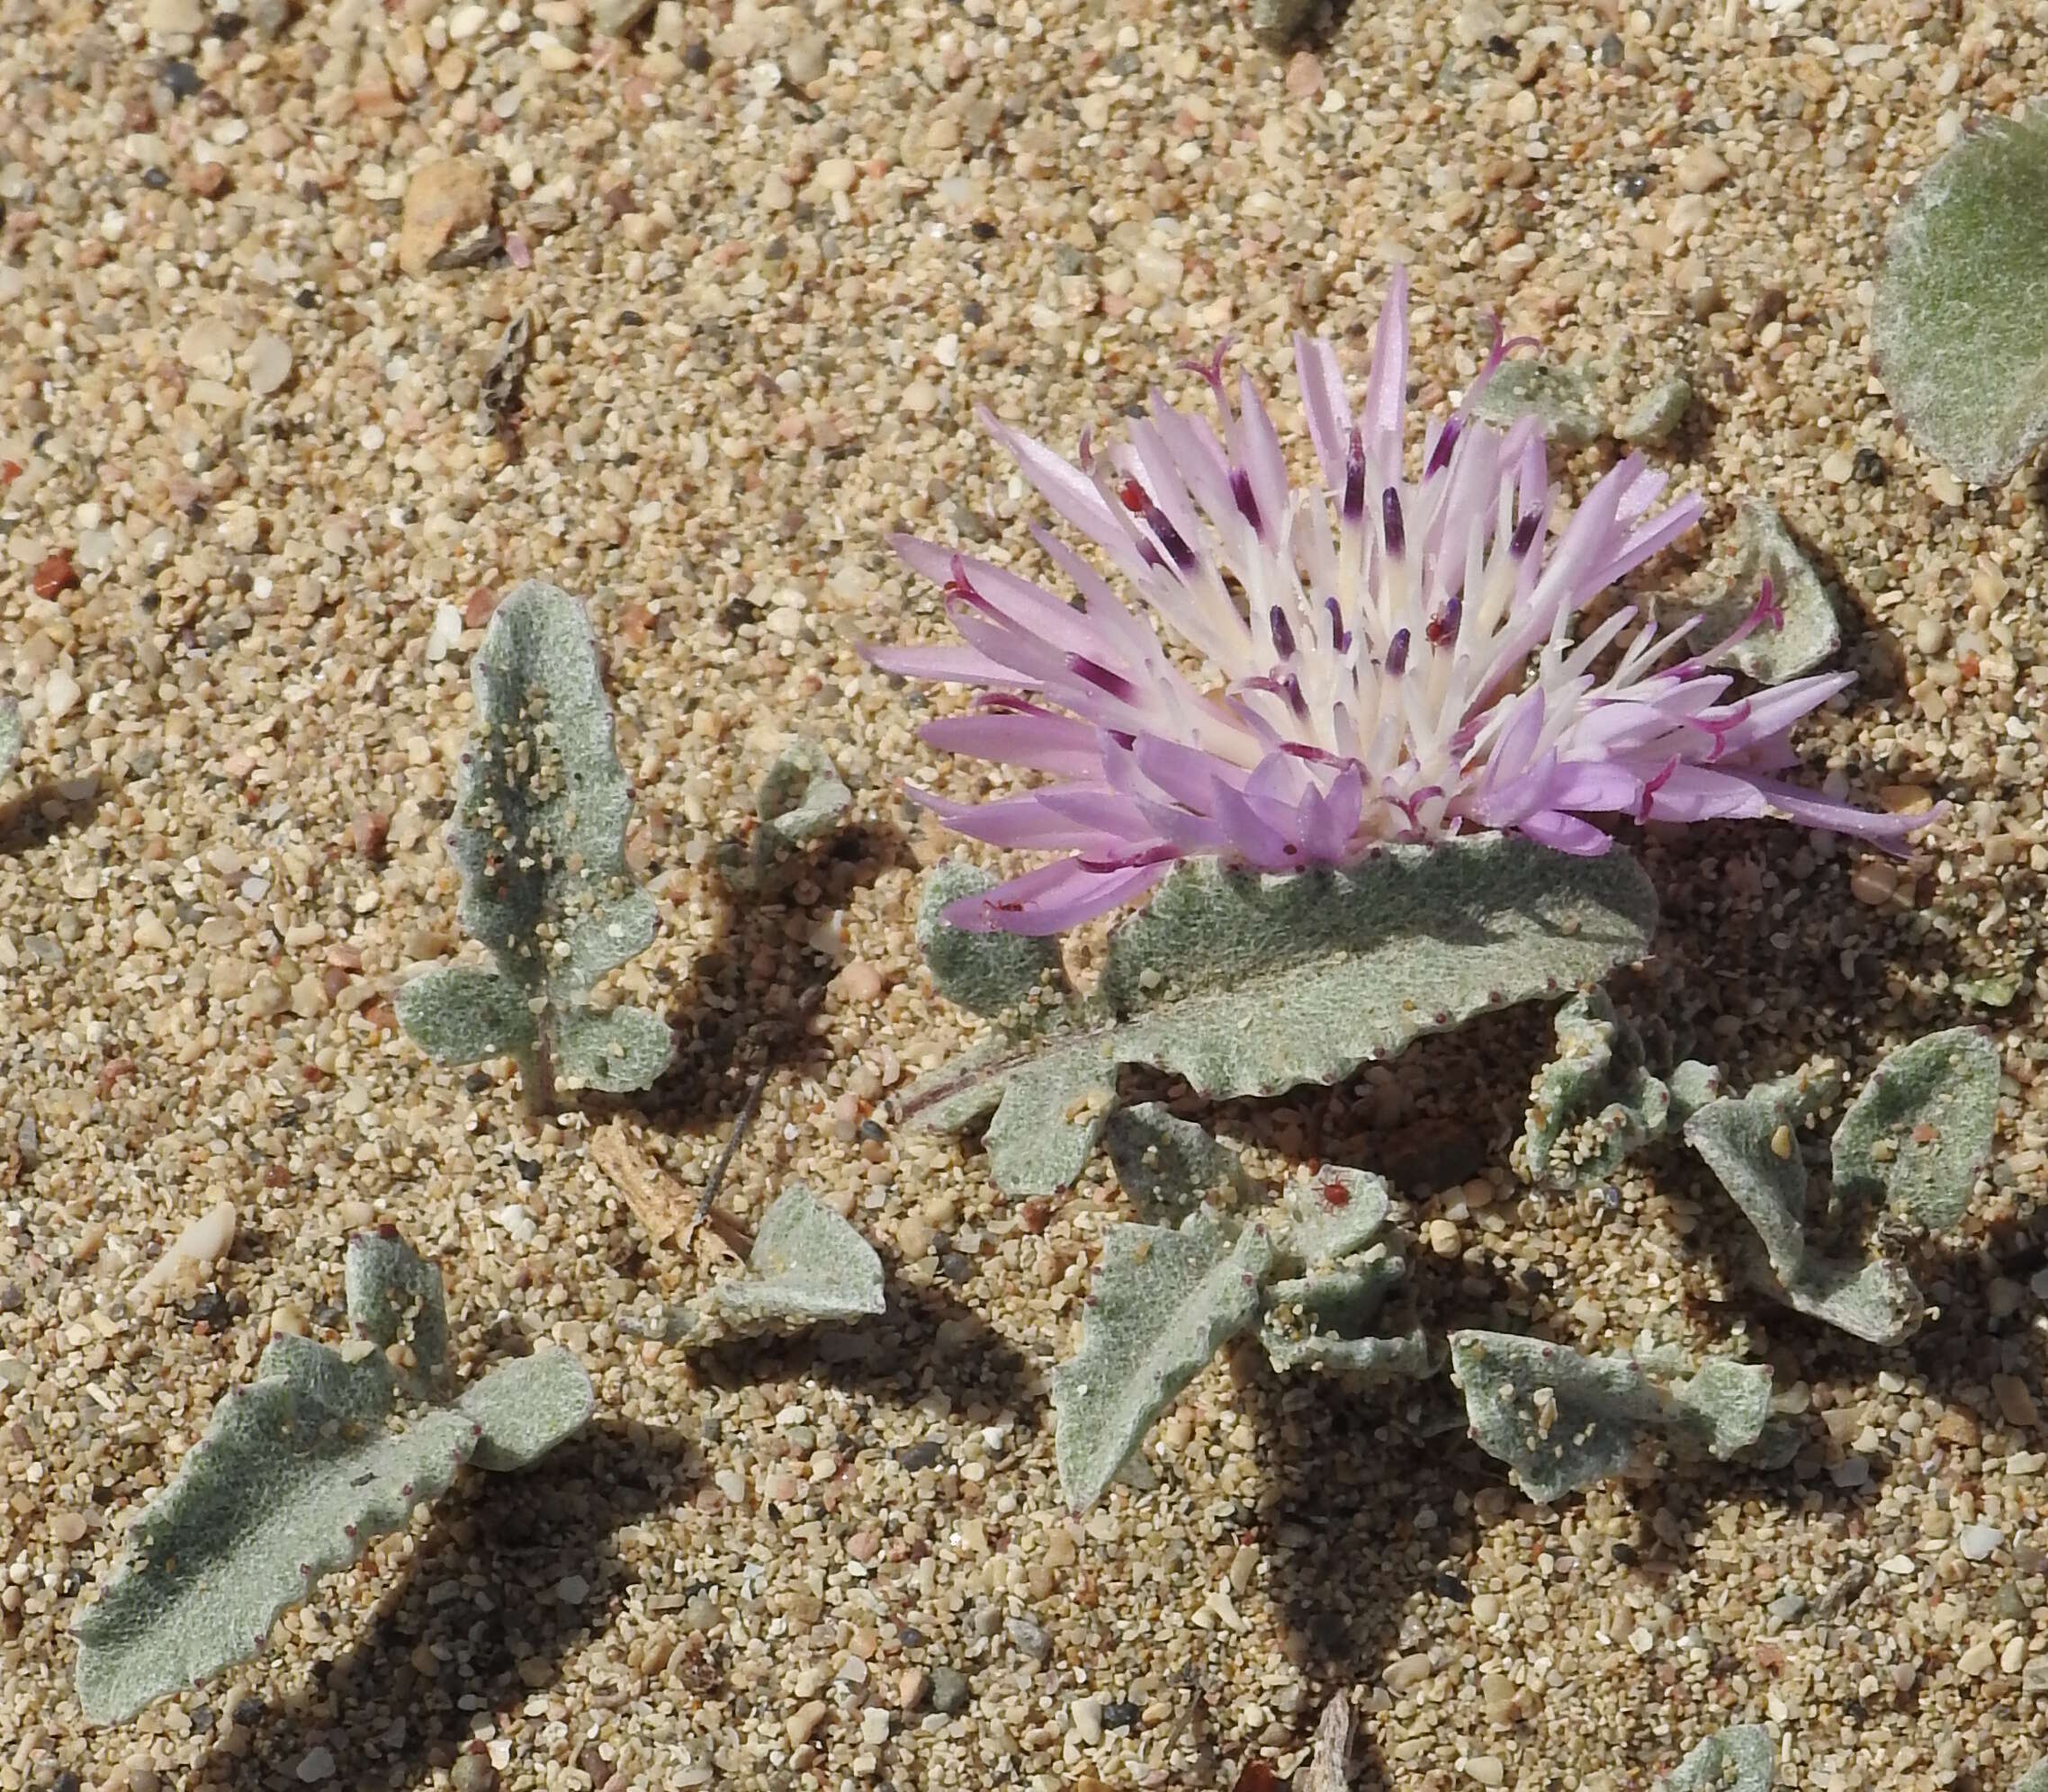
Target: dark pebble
{"points": [[912, 1637], [949, 1690], [713, 1430], [982, 230], [1449, 1587], [183, 79], [529, 1169], [1120, 1714], [201, 1717], [10, 1298], [631, 320], [1870, 466], [873, 1130], [918, 1455], [477, 1081], [248, 1712], [1611, 49], [1623, 1553], [305, 297], [327, 1318], [155, 179], [67, 1781], [697, 56], [1031, 1639], [957, 1268]]}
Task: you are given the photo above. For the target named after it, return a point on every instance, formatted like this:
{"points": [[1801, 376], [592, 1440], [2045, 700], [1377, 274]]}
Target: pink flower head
{"points": [[1385, 658]]}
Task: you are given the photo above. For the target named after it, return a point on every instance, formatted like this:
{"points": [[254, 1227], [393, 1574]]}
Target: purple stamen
{"points": [[1339, 636], [1354, 481], [1099, 675], [1395, 531], [1439, 456], [1398, 652], [1241, 491], [1768, 609], [1524, 536], [1211, 369], [1170, 538], [1283, 636]]}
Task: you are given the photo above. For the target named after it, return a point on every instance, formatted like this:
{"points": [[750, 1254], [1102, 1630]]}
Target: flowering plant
{"points": [[1384, 659]]}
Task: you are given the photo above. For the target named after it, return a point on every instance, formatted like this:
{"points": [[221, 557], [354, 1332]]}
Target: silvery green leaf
{"points": [[808, 1267], [1741, 1760], [2034, 1779], [522, 1409], [10, 734], [987, 973], [539, 837], [461, 1014], [1655, 417], [296, 1475], [1168, 1165], [1359, 1362], [1331, 1215], [1810, 631], [1957, 330], [542, 805], [300, 1471], [1594, 1103], [1164, 1302], [1246, 984], [1560, 398], [1561, 1420], [801, 799], [1917, 1135], [395, 1298], [617, 1052], [1750, 1144]]}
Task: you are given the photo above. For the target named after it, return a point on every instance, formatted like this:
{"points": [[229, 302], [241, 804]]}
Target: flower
{"points": [[1383, 659]]}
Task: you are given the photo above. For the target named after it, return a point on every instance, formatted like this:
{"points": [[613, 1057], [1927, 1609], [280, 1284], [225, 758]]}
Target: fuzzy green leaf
{"points": [[808, 1267], [1562, 1421], [1560, 398], [1594, 1099], [1169, 1166], [618, 1052], [1957, 327], [1164, 1302], [987, 973], [525, 1408], [800, 799], [9, 734], [1750, 1144], [461, 1014], [1810, 631], [542, 805], [1250, 985], [395, 1298], [1655, 417], [298, 1474], [295, 1476], [1329, 1217], [1741, 1760], [2034, 1779], [1921, 1129]]}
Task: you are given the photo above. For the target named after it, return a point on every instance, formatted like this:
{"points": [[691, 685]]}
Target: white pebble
{"points": [[317, 1765], [270, 363], [1978, 1541], [1087, 1715]]}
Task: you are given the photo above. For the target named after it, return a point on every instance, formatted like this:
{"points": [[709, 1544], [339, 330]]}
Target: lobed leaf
{"points": [[461, 1014], [1561, 1420], [808, 1267], [987, 973], [1957, 329], [801, 798], [299, 1472], [295, 1476], [1164, 1301], [1595, 1098], [1560, 398], [617, 1052], [1750, 1144], [522, 1409], [1741, 1760], [1246, 984], [1917, 1135]]}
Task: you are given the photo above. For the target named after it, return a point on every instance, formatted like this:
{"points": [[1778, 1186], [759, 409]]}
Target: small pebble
{"points": [[1031, 1639], [802, 1723], [473, 1773], [1087, 1715], [315, 1765], [949, 1690], [1977, 1542]]}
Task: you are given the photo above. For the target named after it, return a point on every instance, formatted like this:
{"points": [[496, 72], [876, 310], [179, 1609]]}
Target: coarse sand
{"points": [[269, 454]]}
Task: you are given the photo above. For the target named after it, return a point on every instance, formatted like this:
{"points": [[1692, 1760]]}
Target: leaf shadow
{"points": [[481, 1603], [744, 1004], [925, 1340], [51, 807]]}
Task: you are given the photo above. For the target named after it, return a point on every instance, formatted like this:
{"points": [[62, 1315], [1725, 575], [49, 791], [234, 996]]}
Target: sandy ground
{"points": [[773, 257]]}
